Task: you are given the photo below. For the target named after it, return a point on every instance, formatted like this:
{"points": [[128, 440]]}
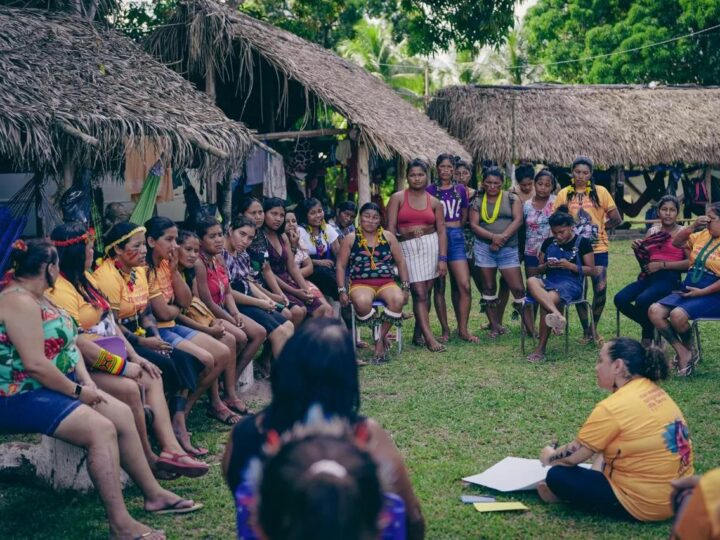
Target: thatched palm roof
{"points": [[204, 33], [616, 125], [71, 90]]}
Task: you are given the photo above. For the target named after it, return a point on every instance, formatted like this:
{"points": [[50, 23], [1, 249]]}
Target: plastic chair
{"points": [[378, 305], [566, 313], [393, 514]]}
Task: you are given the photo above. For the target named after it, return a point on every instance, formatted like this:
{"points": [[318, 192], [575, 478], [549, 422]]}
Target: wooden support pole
{"points": [[708, 182], [307, 134], [210, 149], [68, 175], [74, 132], [400, 174], [363, 173]]}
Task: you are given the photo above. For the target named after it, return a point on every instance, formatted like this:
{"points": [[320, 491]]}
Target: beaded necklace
{"points": [[496, 211], [702, 257], [320, 240], [363, 243], [130, 284]]}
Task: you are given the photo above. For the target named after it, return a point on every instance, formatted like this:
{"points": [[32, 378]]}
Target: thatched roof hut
{"points": [[271, 79], [616, 125], [72, 91]]}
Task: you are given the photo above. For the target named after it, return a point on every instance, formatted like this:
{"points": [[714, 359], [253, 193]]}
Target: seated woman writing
{"points": [[122, 278], [661, 264], [45, 388], [318, 367], [640, 433], [565, 258], [700, 293], [168, 295], [372, 254], [120, 375]]}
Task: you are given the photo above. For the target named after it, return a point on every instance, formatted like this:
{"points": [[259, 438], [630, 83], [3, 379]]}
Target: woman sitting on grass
{"points": [[639, 434], [318, 367], [661, 265], [372, 254], [565, 258], [700, 294], [121, 376], [45, 388]]}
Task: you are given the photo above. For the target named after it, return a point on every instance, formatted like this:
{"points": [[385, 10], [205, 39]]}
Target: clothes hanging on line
{"points": [[256, 167], [275, 184], [138, 162]]}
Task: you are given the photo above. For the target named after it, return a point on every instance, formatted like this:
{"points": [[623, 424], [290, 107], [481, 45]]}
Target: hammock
{"points": [[13, 218], [145, 207]]}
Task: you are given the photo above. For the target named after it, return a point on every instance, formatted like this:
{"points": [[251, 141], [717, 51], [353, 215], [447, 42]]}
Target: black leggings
{"points": [[636, 298], [587, 489], [180, 370], [324, 279]]}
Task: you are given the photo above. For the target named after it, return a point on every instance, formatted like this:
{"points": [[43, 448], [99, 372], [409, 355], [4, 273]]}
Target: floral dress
{"points": [[59, 333]]}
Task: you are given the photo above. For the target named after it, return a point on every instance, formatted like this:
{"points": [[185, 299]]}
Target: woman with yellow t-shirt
{"points": [[595, 212], [639, 433], [123, 372], [169, 293], [122, 278], [700, 292]]}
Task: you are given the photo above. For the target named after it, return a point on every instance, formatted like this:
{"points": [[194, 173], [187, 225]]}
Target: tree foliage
{"points": [[561, 30]]}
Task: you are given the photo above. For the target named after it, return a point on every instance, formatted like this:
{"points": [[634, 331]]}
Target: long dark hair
{"points": [[648, 362], [317, 366], [156, 227], [320, 488], [28, 257], [72, 260], [187, 273], [269, 204], [302, 209], [584, 160]]}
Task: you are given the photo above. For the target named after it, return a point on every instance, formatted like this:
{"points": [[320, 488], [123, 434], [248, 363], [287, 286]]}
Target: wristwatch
{"points": [[405, 285], [77, 391], [342, 290]]}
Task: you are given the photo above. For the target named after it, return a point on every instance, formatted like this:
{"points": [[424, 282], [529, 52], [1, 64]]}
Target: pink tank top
{"points": [[409, 217]]}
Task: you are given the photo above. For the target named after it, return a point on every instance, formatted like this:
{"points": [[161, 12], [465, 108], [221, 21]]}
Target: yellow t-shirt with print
{"points": [[644, 439], [590, 219], [160, 283], [697, 242], [700, 518], [64, 295], [128, 299]]}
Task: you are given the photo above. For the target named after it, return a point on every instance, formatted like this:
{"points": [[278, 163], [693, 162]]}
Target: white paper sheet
{"points": [[512, 474]]}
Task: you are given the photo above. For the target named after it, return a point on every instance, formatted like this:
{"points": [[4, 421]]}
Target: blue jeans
{"points": [[635, 299]]}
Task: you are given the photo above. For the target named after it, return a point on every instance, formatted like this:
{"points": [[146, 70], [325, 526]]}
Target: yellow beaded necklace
{"points": [[496, 211]]}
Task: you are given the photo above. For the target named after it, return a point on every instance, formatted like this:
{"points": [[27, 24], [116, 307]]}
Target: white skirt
{"points": [[421, 257]]}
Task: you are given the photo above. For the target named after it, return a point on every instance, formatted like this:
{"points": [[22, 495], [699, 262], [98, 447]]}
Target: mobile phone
{"points": [[552, 259], [470, 499], [279, 306]]}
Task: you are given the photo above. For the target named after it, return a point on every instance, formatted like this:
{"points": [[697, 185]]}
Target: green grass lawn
{"points": [[452, 415]]}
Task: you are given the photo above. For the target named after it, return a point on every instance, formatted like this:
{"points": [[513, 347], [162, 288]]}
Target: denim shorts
{"points": [[455, 244], [36, 411], [505, 257], [175, 334]]}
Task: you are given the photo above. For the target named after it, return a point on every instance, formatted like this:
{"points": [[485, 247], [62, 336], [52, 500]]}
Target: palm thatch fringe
{"points": [[616, 125], [78, 92], [204, 34]]}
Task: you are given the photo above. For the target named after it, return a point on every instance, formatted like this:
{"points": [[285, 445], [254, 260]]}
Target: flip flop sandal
{"points": [[175, 508], [160, 474], [440, 348], [174, 465], [534, 358], [232, 405], [556, 322], [229, 419], [443, 339], [360, 363], [148, 534], [470, 339], [379, 360], [195, 452]]}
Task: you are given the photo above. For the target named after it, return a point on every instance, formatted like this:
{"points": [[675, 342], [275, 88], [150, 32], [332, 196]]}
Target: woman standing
{"points": [[282, 262], [536, 213], [372, 254], [122, 278], [119, 375], [661, 265], [638, 433], [495, 218], [595, 212], [417, 220], [454, 199], [45, 388], [700, 293]]}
